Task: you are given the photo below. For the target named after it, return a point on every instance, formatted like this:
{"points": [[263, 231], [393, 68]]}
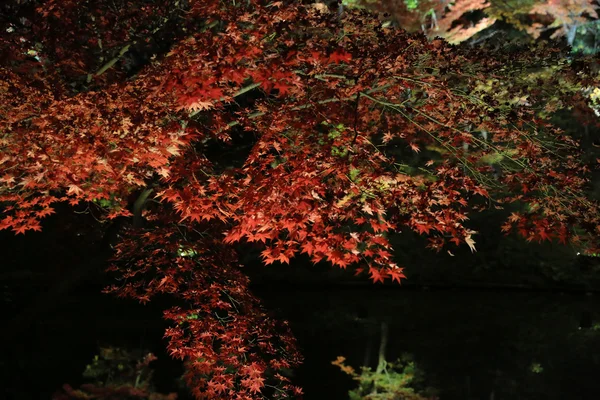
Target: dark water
{"points": [[469, 345]]}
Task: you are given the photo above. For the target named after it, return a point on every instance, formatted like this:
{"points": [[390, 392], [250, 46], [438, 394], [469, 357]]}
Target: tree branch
{"points": [[109, 64]]}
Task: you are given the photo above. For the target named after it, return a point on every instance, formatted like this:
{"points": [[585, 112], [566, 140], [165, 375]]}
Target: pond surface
{"points": [[469, 345]]}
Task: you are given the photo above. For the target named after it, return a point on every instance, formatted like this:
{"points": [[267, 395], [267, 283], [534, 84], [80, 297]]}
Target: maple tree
{"points": [[354, 132]]}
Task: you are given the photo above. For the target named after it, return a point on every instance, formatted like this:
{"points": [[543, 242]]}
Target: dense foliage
{"points": [[339, 132], [460, 20], [116, 374]]}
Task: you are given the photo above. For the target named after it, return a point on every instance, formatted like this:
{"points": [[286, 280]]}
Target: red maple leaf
{"points": [[21, 229], [422, 227], [376, 275], [337, 258], [339, 56], [396, 274], [282, 87]]}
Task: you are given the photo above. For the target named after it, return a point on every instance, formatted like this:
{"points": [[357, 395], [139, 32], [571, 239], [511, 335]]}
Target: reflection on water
{"points": [[469, 345], [464, 345]]}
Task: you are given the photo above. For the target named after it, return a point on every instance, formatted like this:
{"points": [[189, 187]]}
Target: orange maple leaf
{"points": [[340, 56], [376, 275], [396, 274]]}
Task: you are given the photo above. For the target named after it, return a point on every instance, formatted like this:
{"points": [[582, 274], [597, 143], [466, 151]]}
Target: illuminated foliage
{"points": [[566, 15], [343, 133]]}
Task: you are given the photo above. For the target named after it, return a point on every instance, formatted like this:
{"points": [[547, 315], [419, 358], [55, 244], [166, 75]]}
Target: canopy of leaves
{"points": [[354, 131]]}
